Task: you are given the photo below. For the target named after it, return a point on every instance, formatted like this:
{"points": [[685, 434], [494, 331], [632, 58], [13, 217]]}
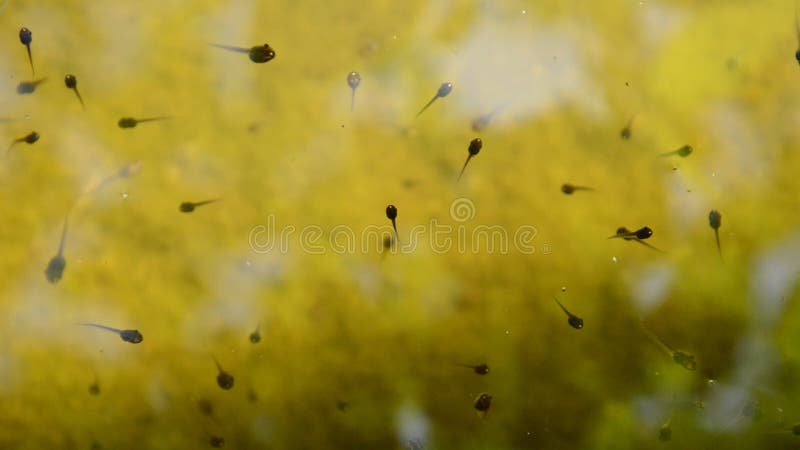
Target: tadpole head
{"points": [[127, 122], [685, 151], [391, 212], [55, 269], [686, 360], [665, 433], [70, 81], [225, 380], [25, 36], [255, 337], [644, 233], [575, 322], [483, 402], [625, 133], [261, 53], [32, 137], [132, 336], [353, 79], [186, 207], [715, 219], [569, 189], [482, 369], [475, 146], [94, 389], [444, 89], [797, 56]]}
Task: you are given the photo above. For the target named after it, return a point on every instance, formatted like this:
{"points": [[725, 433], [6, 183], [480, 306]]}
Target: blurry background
{"points": [[359, 350]]}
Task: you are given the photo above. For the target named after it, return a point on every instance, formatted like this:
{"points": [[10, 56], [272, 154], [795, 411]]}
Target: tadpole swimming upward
{"points": [[132, 336], [715, 220], [130, 122], [482, 404], [28, 87], [255, 336], [72, 83], [55, 268], [391, 214], [683, 152], [224, 379], [258, 54], [474, 148], [573, 320], [683, 359], [353, 80], [570, 188], [29, 138], [480, 369], [26, 37], [444, 91], [188, 207]]}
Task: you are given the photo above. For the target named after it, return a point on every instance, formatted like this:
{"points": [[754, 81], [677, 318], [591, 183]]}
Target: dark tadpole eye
{"points": [[71, 81], [644, 233], [475, 146], [444, 89], [391, 212], [25, 36], [261, 53], [353, 80], [715, 219]]}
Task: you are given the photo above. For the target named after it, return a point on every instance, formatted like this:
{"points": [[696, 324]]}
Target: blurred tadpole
{"points": [[29, 87]]}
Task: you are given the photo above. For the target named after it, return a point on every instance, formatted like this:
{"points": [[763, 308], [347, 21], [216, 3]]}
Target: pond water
{"points": [[236, 259]]}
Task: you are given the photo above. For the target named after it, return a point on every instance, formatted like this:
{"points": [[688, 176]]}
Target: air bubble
{"points": [[614, 258], [563, 289]]}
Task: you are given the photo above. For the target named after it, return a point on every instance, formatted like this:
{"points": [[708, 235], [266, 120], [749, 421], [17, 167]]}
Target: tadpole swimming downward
{"points": [[573, 320], [55, 268], [444, 91], [259, 54], [474, 148], [224, 379], [132, 336]]}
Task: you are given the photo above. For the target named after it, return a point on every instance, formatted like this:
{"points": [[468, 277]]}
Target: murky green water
{"points": [[360, 348]]}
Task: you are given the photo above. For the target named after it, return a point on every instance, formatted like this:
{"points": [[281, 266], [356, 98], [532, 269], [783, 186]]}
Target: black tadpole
{"points": [[480, 369], [444, 91], [29, 138], [353, 80], [188, 207], [132, 336], [72, 83], [573, 320], [683, 152], [130, 122], [255, 336], [259, 54], [482, 404], [636, 236], [216, 441], [26, 37], [55, 268], [474, 148], [224, 379], [391, 214], [715, 221], [568, 188]]}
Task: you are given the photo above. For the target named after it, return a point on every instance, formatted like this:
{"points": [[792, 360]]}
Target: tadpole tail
{"points": [[30, 59], [219, 367], [396, 234], [429, 104], [561, 306], [648, 245], [205, 202], [63, 235], [719, 248], [463, 168], [102, 327], [79, 98], [353, 100], [231, 48], [666, 348], [150, 119]]}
